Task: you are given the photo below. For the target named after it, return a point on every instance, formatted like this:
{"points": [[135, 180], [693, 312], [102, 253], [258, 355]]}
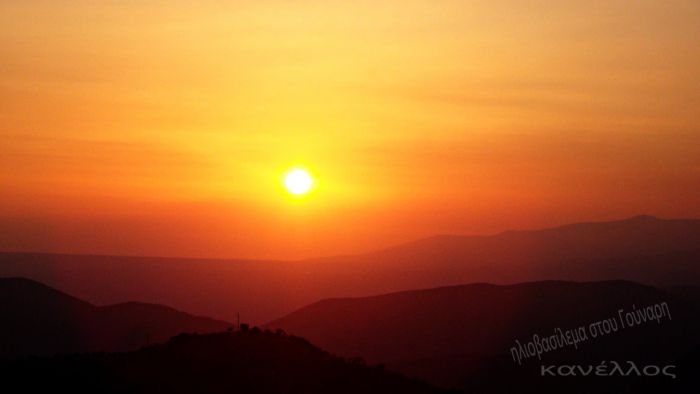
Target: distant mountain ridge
{"points": [[39, 320], [643, 249], [637, 236]]}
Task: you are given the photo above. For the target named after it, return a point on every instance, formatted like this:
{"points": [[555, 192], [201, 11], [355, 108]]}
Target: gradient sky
{"points": [[163, 127]]}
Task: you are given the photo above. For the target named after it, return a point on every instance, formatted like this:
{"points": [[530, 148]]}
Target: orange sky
{"points": [[162, 127]]}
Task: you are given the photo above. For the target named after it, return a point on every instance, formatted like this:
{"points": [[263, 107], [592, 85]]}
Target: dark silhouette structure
{"points": [[239, 362]]}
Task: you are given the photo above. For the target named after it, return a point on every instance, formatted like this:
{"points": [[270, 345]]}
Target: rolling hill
{"points": [[643, 249], [39, 320], [236, 362], [453, 336]]}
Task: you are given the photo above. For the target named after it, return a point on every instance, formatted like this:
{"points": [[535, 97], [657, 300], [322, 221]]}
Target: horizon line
{"points": [[281, 260]]}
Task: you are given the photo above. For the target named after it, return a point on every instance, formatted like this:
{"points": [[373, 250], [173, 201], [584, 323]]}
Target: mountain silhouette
{"points": [[236, 362], [39, 320], [643, 249], [687, 293], [453, 336]]}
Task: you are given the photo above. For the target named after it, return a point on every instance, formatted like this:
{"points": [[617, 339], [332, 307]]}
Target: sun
{"points": [[298, 181]]}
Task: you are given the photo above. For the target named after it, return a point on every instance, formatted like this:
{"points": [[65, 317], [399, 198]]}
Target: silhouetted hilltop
{"points": [[463, 335], [642, 249], [39, 320], [687, 293], [236, 362]]}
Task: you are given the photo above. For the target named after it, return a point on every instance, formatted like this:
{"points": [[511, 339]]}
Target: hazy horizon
{"points": [[353, 251]]}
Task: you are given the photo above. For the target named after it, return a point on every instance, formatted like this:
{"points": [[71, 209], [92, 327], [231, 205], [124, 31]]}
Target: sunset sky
{"points": [[165, 127]]}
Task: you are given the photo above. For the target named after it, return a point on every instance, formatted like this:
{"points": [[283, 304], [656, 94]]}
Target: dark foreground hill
{"points": [[39, 320], [643, 249], [464, 336], [236, 362]]}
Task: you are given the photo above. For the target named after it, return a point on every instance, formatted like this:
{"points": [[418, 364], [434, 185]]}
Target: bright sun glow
{"points": [[298, 181]]}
